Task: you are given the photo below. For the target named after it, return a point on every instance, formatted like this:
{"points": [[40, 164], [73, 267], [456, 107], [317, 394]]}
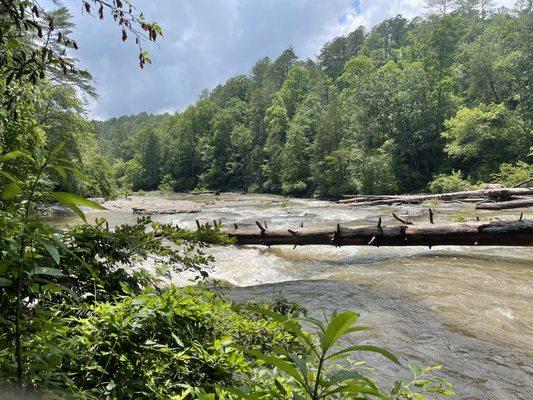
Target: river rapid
{"points": [[468, 308]]}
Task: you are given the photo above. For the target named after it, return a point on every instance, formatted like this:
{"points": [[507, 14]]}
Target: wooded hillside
{"points": [[443, 100]]}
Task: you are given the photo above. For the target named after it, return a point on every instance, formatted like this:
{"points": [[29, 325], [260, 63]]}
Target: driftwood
{"points": [[504, 205], [523, 182], [215, 192], [493, 194], [496, 233]]}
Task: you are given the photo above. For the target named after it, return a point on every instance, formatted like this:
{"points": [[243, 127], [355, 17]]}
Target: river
{"points": [[467, 308]]}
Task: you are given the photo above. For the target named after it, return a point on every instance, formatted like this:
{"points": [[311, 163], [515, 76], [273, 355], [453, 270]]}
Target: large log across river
{"points": [[496, 233]]}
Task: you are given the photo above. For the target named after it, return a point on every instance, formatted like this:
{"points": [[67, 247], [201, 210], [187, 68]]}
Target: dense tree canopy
{"points": [[387, 110]]}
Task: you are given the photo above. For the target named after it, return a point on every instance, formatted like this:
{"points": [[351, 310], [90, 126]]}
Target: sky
{"points": [[206, 42]]}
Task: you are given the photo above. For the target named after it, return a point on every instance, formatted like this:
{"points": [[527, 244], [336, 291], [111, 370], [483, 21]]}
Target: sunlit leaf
{"points": [[337, 327], [47, 271], [66, 198], [367, 347], [15, 154], [11, 191]]}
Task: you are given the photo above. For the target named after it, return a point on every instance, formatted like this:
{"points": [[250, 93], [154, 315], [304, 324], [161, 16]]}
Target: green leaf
{"points": [[73, 199], [52, 250], [5, 282], [60, 170], [415, 369], [356, 389], [281, 364], [77, 210], [177, 339], [9, 176], [337, 327], [345, 375], [11, 191], [367, 347], [239, 393], [15, 154], [302, 366], [47, 271]]}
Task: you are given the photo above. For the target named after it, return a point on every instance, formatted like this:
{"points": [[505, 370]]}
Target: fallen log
{"points": [[496, 233], [494, 194], [215, 192], [505, 205], [523, 182]]}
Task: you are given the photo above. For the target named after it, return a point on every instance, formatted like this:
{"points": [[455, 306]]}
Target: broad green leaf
{"points": [[52, 250], [73, 199], [356, 389], [53, 288], [11, 191], [5, 282], [9, 176], [344, 375], [281, 364], [77, 210], [337, 327], [47, 271], [15, 154], [302, 366], [60, 170], [367, 347]]}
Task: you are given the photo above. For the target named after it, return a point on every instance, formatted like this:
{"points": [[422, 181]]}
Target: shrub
{"points": [[453, 182], [513, 174], [167, 184], [153, 345]]}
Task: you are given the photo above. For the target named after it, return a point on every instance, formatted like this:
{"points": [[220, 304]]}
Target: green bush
{"points": [[446, 183], [151, 346], [167, 184], [513, 174]]}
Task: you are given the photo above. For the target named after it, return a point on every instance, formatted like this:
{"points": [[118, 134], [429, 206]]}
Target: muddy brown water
{"points": [[468, 308]]}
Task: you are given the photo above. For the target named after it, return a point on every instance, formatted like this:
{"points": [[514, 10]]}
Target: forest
{"points": [[438, 103]]}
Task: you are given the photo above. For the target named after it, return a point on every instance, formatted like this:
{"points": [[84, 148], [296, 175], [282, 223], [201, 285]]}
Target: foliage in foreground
{"points": [[153, 345], [192, 343]]}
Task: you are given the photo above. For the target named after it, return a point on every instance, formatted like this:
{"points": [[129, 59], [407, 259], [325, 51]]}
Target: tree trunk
{"points": [[505, 205], [495, 194], [497, 233]]}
